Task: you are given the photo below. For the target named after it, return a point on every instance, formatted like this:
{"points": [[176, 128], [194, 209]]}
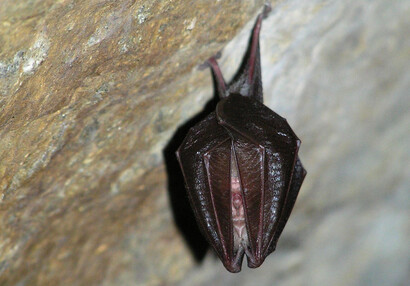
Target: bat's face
{"points": [[241, 169]]}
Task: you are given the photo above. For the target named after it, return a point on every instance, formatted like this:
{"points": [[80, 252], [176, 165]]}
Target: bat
{"points": [[241, 167]]}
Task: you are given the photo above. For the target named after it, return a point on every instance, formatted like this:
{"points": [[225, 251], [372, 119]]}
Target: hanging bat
{"points": [[241, 167]]}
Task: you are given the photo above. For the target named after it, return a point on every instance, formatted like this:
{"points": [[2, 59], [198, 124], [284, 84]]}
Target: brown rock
{"points": [[90, 93]]}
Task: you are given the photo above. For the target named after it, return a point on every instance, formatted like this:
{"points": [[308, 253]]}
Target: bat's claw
{"points": [[203, 66], [218, 55], [207, 63], [266, 10]]}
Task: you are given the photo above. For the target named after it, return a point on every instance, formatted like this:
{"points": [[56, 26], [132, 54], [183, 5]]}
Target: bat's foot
{"points": [[203, 66], [218, 55], [208, 62], [266, 10]]}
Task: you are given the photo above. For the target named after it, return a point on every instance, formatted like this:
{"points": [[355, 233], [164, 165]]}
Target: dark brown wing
{"points": [[299, 174], [248, 120], [250, 160], [205, 157]]}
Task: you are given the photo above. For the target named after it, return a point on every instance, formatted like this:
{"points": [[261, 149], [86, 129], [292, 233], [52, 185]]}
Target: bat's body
{"points": [[241, 167]]}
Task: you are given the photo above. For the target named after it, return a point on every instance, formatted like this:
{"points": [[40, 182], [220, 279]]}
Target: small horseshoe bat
{"points": [[241, 167]]}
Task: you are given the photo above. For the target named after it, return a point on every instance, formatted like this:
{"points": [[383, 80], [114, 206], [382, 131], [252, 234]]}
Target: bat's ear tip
{"points": [[266, 10]]}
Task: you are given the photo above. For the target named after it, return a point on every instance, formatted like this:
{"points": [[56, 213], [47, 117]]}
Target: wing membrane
{"points": [[249, 120], [202, 138]]}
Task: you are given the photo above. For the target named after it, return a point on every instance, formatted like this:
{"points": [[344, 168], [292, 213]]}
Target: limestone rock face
{"points": [[91, 92]]}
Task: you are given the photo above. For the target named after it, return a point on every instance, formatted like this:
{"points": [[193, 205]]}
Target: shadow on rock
{"points": [[182, 211]]}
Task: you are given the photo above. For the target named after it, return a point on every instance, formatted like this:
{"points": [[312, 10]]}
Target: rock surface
{"points": [[92, 92]]}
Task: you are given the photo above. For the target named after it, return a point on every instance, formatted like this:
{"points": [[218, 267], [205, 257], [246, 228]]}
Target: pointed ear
{"points": [[248, 80]]}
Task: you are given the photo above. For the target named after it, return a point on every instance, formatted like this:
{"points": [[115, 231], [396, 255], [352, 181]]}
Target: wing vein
{"points": [[277, 223], [262, 205], [206, 162]]}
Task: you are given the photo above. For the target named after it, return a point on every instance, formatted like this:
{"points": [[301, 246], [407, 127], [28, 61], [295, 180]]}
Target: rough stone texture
{"points": [[92, 91]]}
